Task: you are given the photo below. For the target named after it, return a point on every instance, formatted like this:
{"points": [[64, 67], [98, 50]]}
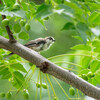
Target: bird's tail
{"points": [[8, 55]]}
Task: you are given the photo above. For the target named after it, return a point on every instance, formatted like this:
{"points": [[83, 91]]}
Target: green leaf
{"points": [[16, 6], [17, 28], [18, 79], [84, 71], [23, 35], [82, 28], [98, 56], [68, 26], [98, 1], [66, 8], [19, 13], [93, 6], [84, 76], [58, 1], [96, 43], [9, 4], [94, 66], [98, 72], [24, 5], [97, 49], [77, 37], [42, 23], [1, 7], [75, 6], [4, 71], [43, 11], [66, 12], [18, 66], [86, 62], [67, 16], [82, 47], [94, 18], [93, 81], [97, 76], [7, 75]]}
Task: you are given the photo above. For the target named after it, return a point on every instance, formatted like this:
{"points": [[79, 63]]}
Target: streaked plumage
{"points": [[39, 44]]}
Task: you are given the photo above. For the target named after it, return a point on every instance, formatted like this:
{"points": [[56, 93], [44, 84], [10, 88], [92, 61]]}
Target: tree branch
{"points": [[52, 69]]}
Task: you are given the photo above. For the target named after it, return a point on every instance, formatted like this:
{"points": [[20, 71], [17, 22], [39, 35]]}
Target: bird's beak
{"points": [[54, 40]]}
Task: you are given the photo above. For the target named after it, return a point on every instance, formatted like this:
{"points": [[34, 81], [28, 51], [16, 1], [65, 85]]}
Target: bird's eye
{"points": [[50, 38]]}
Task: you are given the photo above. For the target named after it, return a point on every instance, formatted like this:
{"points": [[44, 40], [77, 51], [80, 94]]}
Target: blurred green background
{"points": [[64, 40]]}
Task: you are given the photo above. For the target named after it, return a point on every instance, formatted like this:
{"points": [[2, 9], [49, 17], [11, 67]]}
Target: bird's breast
{"points": [[46, 46]]}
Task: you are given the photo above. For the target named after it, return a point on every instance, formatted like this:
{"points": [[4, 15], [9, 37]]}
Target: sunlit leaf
{"points": [[96, 43], [98, 56], [97, 49], [23, 35], [93, 81], [86, 62], [66, 8], [67, 16], [4, 71], [18, 66], [58, 1], [24, 5], [94, 18], [82, 47], [1, 7], [75, 6], [68, 26], [7, 75], [85, 71], [43, 11], [8, 4], [97, 76], [95, 65], [93, 6], [18, 79], [82, 28], [98, 1], [77, 37], [17, 28], [19, 13]]}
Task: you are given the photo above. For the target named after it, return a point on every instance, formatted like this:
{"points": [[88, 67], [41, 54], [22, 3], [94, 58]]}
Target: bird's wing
{"points": [[33, 43]]}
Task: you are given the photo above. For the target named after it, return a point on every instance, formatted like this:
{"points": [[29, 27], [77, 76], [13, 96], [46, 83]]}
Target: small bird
{"points": [[39, 44]]}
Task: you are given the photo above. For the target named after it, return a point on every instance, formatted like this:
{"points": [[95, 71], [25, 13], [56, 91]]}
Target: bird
{"points": [[39, 44]]}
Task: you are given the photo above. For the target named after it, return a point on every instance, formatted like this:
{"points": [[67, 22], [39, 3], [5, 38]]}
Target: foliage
{"points": [[82, 17]]}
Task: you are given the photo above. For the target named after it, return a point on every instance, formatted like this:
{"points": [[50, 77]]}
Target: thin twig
{"points": [[10, 34]]}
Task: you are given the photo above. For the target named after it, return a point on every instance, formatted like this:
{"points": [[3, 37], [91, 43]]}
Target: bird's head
{"points": [[50, 39]]}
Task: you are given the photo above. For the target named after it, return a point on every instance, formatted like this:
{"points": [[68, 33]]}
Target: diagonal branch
{"points": [[52, 69]]}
